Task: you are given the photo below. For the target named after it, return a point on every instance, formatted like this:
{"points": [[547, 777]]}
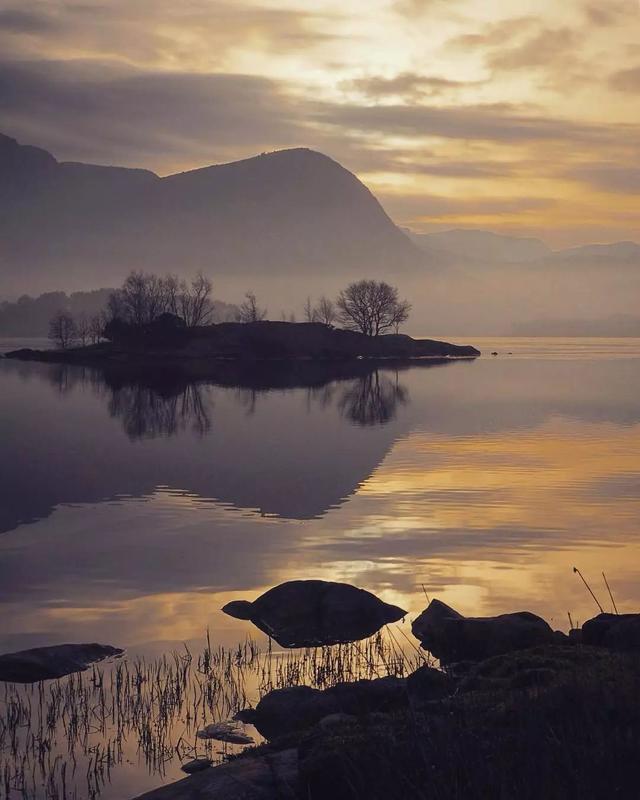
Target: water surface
{"points": [[132, 510]]}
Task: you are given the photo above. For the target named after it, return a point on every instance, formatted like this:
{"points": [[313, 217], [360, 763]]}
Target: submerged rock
{"points": [[452, 637], [316, 613], [615, 631], [225, 732], [297, 708], [197, 765], [44, 663]]}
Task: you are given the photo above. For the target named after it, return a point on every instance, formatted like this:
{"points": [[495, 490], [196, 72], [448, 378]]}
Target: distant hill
{"points": [[475, 245], [292, 212], [468, 246], [616, 252]]}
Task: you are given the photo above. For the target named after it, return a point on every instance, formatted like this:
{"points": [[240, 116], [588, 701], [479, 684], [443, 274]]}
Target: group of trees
{"points": [[65, 329], [145, 297], [368, 306], [142, 299]]}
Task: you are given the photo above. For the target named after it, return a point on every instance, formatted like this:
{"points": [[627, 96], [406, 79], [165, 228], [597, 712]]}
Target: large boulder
{"points": [[44, 663], [452, 637], [615, 631], [297, 708], [316, 613], [427, 685]]}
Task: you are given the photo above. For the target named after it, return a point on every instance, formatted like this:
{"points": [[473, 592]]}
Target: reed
{"points": [[64, 739]]}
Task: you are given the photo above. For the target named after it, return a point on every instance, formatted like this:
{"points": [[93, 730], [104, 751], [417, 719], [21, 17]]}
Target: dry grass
{"points": [[62, 739]]}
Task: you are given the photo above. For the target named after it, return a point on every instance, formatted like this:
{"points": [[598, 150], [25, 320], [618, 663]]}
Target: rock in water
{"points": [[197, 765], [225, 732], [316, 613], [615, 631], [44, 663], [451, 637]]}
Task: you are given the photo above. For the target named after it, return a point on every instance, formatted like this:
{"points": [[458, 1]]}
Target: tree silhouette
{"points": [[371, 307], [62, 329]]}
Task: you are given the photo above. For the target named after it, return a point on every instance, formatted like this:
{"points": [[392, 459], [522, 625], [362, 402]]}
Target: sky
{"points": [[520, 117]]}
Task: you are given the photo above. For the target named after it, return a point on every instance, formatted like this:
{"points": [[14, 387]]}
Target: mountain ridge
{"points": [[290, 211]]}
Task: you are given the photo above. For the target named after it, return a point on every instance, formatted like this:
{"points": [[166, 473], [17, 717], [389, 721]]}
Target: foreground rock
{"points": [[452, 637], [44, 663], [315, 613], [298, 708], [615, 631], [268, 776]]}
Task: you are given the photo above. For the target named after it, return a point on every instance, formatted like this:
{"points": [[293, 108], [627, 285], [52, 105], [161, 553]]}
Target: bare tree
{"points": [[326, 311], [62, 329], [309, 311], [400, 314], [369, 306], [96, 327], [83, 328], [195, 306], [250, 311]]}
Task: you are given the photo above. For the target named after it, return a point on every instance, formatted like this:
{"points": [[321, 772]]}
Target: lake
{"points": [[131, 511]]}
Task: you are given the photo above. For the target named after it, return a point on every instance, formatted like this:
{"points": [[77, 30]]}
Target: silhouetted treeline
{"points": [[30, 316]]}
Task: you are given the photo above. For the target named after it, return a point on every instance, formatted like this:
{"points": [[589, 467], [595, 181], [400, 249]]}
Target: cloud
{"points": [[492, 122], [494, 34], [541, 50], [612, 12], [608, 177], [405, 85], [187, 33], [19, 21], [626, 80], [104, 113], [456, 169]]}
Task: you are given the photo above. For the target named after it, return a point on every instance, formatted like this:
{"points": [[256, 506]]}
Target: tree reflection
{"points": [[373, 399], [146, 413], [160, 403]]}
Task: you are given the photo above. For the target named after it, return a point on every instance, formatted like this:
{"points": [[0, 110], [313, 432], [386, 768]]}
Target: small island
{"points": [[154, 321]]}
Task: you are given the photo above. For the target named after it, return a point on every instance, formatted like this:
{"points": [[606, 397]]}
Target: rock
{"points": [[537, 667], [615, 631], [44, 663], [272, 776], [197, 765], [316, 613], [335, 721], [298, 708], [225, 732], [294, 708], [427, 684], [451, 637]]}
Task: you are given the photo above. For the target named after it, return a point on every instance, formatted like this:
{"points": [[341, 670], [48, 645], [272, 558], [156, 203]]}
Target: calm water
{"points": [[130, 513]]}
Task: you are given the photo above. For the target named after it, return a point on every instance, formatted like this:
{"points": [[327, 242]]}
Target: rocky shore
{"points": [[514, 709]]}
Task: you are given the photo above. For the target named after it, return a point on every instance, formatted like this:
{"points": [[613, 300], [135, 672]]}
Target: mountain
{"points": [[475, 245], [289, 212], [617, 252]]}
